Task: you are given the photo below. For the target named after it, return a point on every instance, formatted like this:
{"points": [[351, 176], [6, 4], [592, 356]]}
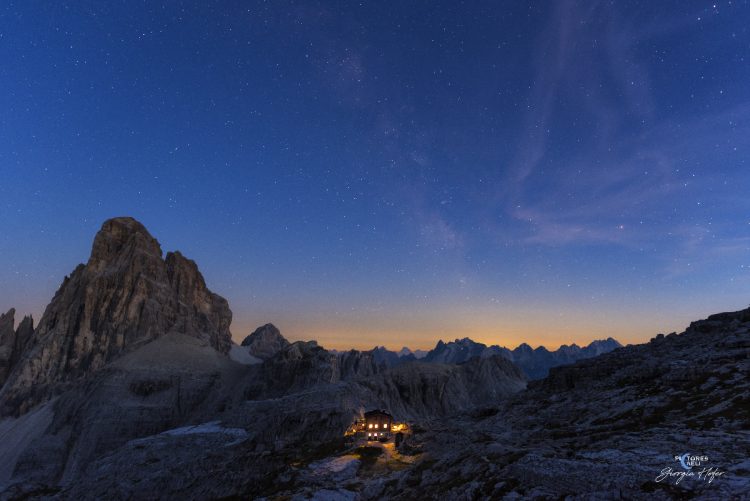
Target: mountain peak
{"points": [[524, 347], [7, 321], [118, 237], [466, 341], [404, 351], [125, 296], [600, 346], [456, 351], [265, 341]]}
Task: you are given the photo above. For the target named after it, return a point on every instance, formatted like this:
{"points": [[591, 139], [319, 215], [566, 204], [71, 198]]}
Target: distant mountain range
{"points": [[535, 363]]}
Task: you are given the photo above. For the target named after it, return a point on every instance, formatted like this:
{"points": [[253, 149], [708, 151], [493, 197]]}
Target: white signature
{"points": [[706, 474]]}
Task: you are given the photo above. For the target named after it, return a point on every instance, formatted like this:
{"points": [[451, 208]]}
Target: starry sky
{"points": [[390, 173]]}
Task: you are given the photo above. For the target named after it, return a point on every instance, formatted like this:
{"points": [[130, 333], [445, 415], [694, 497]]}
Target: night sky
{"points": [[390, 173]]}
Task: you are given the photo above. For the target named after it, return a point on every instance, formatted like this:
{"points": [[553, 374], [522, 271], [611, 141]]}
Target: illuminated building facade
{"points": [[378, 425]]}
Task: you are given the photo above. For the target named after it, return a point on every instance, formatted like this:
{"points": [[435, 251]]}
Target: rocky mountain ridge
{"points": [[126, 295], [535, 363]]}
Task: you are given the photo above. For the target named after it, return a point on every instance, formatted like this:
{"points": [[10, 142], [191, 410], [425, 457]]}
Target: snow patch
{"points": [[335, 465], [241, 355], [212, 427]]}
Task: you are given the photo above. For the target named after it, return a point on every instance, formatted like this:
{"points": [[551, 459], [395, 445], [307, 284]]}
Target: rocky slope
{"points": [[125, 296], [607, 427], [159, 386]]}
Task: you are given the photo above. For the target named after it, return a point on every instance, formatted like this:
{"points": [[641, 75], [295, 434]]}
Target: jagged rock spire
{"points": [[7, 342], [125, 296], [13, 342]]}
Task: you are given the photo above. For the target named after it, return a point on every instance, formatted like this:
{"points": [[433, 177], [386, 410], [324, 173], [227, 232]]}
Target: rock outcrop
{"points": [[7, 342], [265, 342], [421, 391], [13, 342], [125, 296], [305, 364], [355, 364], [24, 335]]}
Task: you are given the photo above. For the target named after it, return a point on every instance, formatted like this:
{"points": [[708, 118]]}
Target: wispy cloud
{"points": [[616, 185]]}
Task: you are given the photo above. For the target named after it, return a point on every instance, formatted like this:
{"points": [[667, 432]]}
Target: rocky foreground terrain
{"points": [[607, 427], [131, 388]]}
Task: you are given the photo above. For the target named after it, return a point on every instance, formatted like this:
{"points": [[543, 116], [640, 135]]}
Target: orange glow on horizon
{"points": [[417, 333]]}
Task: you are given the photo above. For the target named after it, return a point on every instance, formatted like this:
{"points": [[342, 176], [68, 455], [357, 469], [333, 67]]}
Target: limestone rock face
{"points": [[265, 342], [200, 313], [13, 343], [158, 386], [125, 296], [7, 342], [413, 390], [24, 334], [299, 366], [419, 390], [357, 364]]}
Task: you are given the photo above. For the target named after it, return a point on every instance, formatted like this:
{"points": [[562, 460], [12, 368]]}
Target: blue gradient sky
{"points": [[392, 172]]}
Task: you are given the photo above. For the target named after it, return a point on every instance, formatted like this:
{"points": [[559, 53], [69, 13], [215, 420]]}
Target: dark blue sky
{"points": [[390, 172]]}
